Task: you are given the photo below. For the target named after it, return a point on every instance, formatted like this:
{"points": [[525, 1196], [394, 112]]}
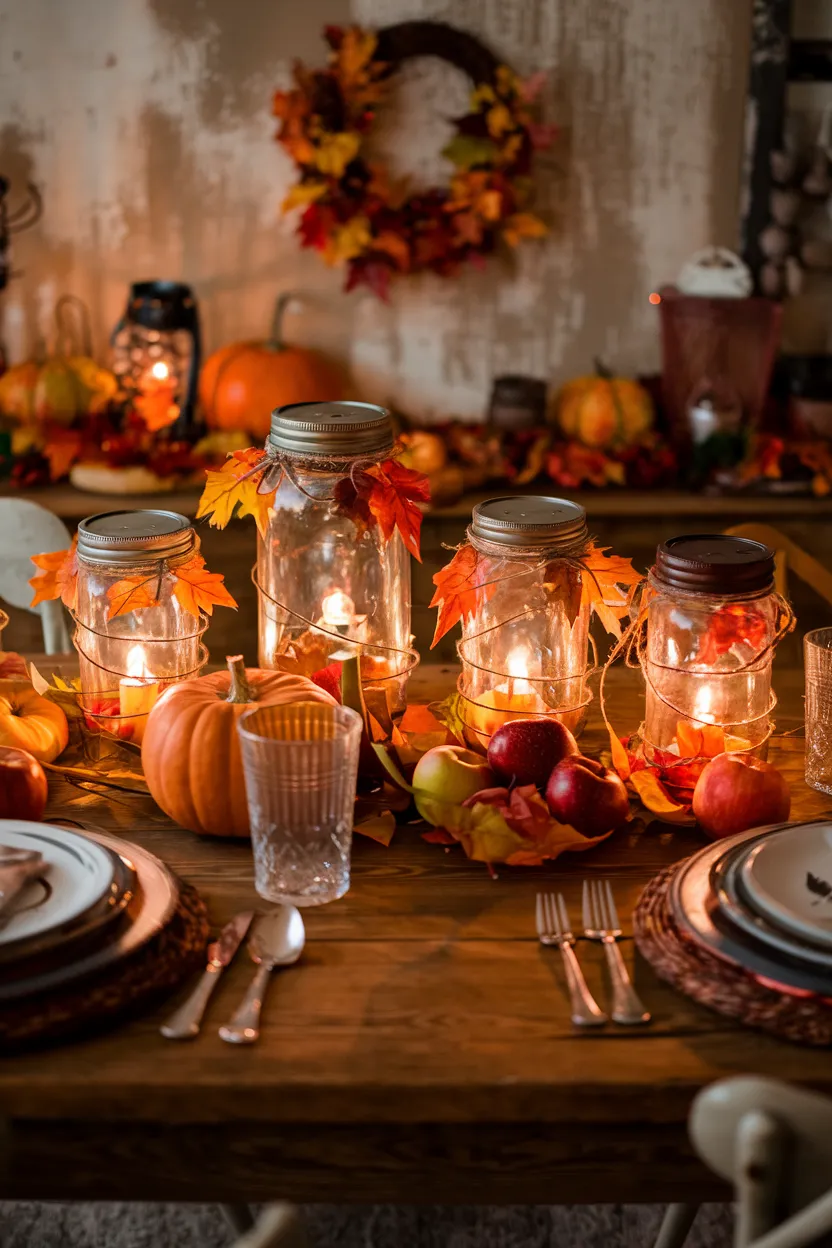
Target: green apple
{"points": [[444, 778]]}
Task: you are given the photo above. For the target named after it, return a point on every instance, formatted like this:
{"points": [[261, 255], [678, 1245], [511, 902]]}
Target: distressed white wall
{"points": [[146, 124]]}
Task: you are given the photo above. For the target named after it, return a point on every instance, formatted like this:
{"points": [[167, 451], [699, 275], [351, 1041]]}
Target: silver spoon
{"points": [[278, 940]]}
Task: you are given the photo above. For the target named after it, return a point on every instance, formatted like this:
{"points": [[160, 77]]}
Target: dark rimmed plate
{"points": [[151, 906]]}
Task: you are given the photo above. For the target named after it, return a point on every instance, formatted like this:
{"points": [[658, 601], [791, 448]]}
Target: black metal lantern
{"points": [[157, 353]]}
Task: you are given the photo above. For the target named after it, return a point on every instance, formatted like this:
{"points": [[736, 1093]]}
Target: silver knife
{"points": [[184, 1023]]}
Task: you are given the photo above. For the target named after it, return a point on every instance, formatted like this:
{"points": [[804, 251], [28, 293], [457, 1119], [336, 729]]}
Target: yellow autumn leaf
{"points": [[253, 504], [483, 94], [218, 500], [302, 194], [335, 151], [523, 225], [348, 241], [654, 798], [499, 120]]}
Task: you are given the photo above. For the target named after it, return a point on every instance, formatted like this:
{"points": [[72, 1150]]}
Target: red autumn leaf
{"points": [[458, 586], [734, 624], [394, 500], [438, 836], [197, 589], [352, 500]]}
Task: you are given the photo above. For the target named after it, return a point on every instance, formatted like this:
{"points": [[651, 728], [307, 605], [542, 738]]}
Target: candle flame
{"points": [[518, 669], [160, 371], [702, 704], [137, 663], [337, 609]]}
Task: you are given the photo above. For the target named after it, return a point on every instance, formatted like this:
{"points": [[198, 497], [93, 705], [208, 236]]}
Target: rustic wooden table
{"points": [[422, 1050]]}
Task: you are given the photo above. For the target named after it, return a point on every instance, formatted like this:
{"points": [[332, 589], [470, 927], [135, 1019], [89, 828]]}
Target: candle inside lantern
{"points": [[337, 610], [702, 704], [155, 404], [137, 693], [513, 698]]}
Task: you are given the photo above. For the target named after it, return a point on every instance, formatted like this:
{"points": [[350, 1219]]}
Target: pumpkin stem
{"points": [[601, 369], [276, 342], [239, 690]]}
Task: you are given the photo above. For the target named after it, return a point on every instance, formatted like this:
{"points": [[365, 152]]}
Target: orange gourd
{"points": [[240, 384], [603, 411], [30, 722], [190, 752]]}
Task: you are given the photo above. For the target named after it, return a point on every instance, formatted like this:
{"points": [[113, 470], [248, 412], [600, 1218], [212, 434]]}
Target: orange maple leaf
{"points": [[609, 589], [393, 500], [197, 589], [705, 741], [58, 579], [458, 587], [131, 594], [62, 448]]}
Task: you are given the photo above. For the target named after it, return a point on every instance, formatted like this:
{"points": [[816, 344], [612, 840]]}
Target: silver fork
{"points": [[601, 923], [553, 929]]}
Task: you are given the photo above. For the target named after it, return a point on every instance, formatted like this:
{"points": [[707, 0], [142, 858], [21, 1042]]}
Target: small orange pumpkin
{"points": [[603, 411], [240, 384], [30, 722], [190, 752]]}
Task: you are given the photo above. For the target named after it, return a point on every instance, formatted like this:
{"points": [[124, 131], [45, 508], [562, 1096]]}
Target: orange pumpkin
{"points": [[603, 411], [240, 384], [190, 752], [30, 722]]}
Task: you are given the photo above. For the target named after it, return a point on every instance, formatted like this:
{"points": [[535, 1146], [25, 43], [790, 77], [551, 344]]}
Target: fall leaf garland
{"points": [[386, 495], [607, 584], [352, 213], [195, 588]]}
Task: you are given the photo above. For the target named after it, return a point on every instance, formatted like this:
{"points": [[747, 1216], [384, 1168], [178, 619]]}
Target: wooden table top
{"points": [[422, 1049]]}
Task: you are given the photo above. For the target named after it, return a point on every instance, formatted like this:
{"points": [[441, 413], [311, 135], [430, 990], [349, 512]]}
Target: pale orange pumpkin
{"points": [[190, 752], [31, 722], [603, 411], [240, 384]]}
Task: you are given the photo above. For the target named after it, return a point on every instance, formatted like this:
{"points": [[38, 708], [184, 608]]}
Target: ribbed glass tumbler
{"points": [[301, 766], [817, 653]]}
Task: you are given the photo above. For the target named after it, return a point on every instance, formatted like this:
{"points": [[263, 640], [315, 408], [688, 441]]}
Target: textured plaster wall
{"points": [[146, 124]]}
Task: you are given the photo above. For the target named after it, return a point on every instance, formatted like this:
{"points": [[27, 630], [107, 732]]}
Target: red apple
{"points": [[587, 795], [737, 792], [23, 785], [526, 750]]}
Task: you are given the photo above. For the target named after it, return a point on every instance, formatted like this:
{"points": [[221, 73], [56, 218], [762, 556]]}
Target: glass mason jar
{"points": [[125, 661], [713, 620], [524, 648], [330, 586]]}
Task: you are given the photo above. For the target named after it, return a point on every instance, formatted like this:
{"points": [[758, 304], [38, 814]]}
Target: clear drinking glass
{"points": [[817, 652], [301, 765]]}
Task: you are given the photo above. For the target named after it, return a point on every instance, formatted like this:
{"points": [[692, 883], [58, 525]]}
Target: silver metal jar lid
{"points": [[130, 538], [531, 521], [332, 430]]}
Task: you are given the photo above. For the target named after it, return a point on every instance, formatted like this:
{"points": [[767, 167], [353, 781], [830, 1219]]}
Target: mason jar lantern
{"points": [[330, 585], [713, 620], [128, 653], [524, 647]]}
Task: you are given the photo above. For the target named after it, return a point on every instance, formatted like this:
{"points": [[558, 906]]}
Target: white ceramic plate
{"points": [[735, 907], [79, 877], [787, 879]]}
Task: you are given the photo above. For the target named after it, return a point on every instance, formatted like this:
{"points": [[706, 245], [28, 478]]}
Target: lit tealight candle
{"points": [[136, 693], [337, 610], [511, 699]]}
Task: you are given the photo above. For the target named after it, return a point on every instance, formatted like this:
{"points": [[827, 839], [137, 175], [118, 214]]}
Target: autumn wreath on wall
{"points": [[354, 213]]}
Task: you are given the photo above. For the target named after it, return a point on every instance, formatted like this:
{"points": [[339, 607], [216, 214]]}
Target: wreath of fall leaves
{"points": [[354, 214]]}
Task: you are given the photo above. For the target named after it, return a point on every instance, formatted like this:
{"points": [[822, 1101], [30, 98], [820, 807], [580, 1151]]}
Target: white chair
{"points": [[28, 529], [774, 1143], [279, 1226]]}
